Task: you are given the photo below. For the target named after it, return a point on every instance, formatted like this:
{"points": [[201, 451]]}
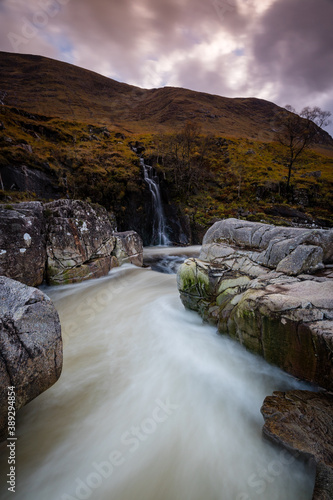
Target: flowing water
{"points": [[151, 405], [159, 230]]}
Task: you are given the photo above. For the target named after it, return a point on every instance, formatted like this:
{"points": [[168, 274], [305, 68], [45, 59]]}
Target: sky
{"points": [[279, 50]]}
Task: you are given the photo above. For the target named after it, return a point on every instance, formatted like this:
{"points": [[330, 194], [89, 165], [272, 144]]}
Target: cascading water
{"points": [[151, 405], [159, 234]]}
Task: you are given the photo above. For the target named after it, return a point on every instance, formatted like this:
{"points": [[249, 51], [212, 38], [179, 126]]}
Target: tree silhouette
{"points": [[297, 132]]}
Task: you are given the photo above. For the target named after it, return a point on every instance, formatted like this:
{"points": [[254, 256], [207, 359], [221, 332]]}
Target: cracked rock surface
{"points": [[302, 422], [30, 344], [65, 241], [271, 288], [22, 242], [287, 317], [80, 242]]}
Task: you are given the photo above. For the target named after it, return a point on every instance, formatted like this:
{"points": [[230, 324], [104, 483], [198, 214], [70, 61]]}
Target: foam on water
{"points": [[151, 405]]}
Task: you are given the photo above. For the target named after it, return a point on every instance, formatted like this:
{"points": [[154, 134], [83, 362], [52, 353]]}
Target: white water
{"points": [[159, 233], [151, 405]]}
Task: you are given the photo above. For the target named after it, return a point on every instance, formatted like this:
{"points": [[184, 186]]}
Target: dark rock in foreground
{"points": [[302, 422], [30, 345]]}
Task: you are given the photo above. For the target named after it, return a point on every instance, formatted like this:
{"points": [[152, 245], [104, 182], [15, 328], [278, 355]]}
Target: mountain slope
{"points": [[52, 88], [68, 132]]}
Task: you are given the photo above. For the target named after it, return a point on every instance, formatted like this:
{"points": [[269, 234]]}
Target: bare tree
{"points": [[297, 132]]}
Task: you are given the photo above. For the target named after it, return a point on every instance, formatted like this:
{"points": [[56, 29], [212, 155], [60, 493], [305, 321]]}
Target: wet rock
{"points": [[137, 147], [22, 242], [251, 281], [30, 344], [128, 248], [302, 422], [80, 241]]}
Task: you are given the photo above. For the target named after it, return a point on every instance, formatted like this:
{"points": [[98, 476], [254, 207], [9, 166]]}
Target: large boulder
{"points": [[80, 241], [30, 345], [287, 319], [65, 241], [301, 422], [292, 250], [22, 242]]}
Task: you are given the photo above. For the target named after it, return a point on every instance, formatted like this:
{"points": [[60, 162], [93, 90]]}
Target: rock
{"points": [[119, 135], [65, 241], [30, 344], [301, 260], [274, 243], [22, 242], [301, 422], [137, 147], [26, 147], [80, 241], [129, 248], [23, 178], [286, 211], [251, 281]]}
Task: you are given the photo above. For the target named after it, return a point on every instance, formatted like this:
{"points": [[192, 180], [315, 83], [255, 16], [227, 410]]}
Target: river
{"points": [[151, 404]]}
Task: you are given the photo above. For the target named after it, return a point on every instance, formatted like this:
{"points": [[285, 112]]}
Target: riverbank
{"points": [[162, 408]]}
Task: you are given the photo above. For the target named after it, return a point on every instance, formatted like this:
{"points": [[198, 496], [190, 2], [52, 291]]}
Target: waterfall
{"points": [[159, 233]]}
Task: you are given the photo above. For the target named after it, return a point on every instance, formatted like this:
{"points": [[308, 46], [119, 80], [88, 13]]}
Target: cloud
{"points": [[280, 50], [296, 43], [293, 49]]}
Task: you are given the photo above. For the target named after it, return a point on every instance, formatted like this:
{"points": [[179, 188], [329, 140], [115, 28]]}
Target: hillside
{"points": [[52, 88], [68, 132]]}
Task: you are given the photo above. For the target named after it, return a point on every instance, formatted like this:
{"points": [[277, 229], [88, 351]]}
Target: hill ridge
{"points": [[50, 87]]}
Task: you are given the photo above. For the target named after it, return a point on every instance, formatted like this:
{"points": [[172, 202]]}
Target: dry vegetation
{"points": [[216, 156]]}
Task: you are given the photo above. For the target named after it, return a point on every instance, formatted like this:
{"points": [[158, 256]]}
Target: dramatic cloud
{"points": [[280, 50]]}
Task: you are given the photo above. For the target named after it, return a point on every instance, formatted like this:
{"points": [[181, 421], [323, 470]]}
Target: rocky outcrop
{"points": [[128, 248], [30, 345], [65, 241], [301, 421], [80, 242], [251, 281], [43, 183], [22, 242], [289, 250]]}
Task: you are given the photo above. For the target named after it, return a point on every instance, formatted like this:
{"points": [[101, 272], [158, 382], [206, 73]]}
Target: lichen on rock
{"points": [[22, 242], [30, 344], [65, 241], [260, 292]]}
